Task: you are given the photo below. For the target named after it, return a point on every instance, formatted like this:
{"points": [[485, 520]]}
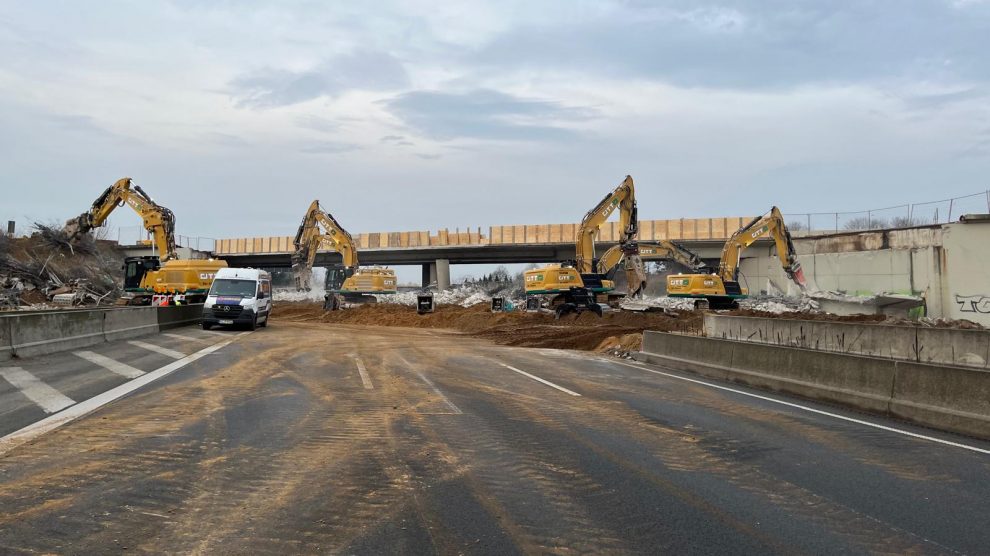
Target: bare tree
{"points": [[866, 223], [905, 222]]}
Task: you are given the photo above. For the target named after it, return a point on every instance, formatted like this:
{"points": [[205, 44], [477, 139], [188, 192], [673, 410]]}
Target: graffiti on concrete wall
{"points": [[973, 303]]}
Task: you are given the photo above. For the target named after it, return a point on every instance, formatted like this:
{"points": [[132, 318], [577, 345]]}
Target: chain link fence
{"points": [[134, 235], [899, 216]]}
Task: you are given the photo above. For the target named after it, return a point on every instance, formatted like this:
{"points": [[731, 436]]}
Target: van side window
{"points": [[266, 287]]}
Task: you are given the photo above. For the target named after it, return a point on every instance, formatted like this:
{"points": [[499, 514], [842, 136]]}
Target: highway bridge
{"points": [[436, 251]]}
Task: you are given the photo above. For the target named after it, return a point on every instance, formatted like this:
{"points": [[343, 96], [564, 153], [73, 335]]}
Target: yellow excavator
{"points": [[721, 290], [648, 251], [162, 274], [319, 230], [584, 284]]}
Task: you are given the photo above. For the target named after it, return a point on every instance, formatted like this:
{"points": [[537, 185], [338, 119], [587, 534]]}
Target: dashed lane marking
{"points": [[812, 410], [110, 364], [365, 378], [443, 396], [48, 399], [538, 379], [80, 409], [184, 338], [158, 349]]}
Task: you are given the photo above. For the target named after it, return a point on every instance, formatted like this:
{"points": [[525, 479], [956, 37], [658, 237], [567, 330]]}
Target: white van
{"points": [[239, 296]]}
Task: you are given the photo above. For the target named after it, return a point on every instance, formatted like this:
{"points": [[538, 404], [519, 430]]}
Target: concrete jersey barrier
{"points": [[6, 343], [43, 333], [35, 333], [951, 398], [129, 322], [940, 346], [183, 315]]}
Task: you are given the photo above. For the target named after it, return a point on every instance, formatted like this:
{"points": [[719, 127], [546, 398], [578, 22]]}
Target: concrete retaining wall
{"points": [[940, 346], [946, 397], [31, 334]]}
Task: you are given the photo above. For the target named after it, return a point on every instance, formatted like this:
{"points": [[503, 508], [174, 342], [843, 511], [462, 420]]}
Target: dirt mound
{"points": [[584, 331]]}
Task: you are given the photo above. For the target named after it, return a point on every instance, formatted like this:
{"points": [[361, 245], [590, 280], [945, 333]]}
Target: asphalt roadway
{"points": [[369, 440]]}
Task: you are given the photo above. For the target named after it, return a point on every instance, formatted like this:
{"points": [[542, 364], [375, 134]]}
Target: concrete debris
{"points": [[779, 304], [893, 304], [315, 295], [647, 303], [40, 270], [463, 296]]}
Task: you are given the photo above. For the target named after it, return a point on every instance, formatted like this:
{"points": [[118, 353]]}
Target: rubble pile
{"points": [[46, 270], [466, 295]]}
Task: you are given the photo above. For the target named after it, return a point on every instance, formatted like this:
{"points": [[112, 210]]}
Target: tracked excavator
{"points": [[163, 275], [721, 289], [319, 230], [583, 284], [632, 264]]}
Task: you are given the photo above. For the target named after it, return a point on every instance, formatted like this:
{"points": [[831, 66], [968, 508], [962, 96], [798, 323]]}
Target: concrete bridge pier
{"points": [[443, 273], [438, 273]]}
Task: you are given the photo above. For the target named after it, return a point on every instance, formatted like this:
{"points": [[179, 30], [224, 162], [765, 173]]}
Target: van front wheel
{"points": [[254, 323]]}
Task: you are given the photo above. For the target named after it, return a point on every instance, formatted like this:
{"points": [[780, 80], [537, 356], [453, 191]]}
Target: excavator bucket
{"points": [[77, 227], [797, 274]]}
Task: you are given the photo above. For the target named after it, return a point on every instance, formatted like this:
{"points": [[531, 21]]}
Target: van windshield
{"points": [[226, 286]]}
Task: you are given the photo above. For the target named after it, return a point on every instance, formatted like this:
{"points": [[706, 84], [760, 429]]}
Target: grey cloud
{"points": [[317, 123], [224, 139], [392, 138], [87, 127], [270, 87], [428, 156], [329, 147], [754, 44], [484, 114], [945, 99]]}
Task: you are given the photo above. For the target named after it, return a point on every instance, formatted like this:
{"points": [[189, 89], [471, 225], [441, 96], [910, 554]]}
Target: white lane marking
{"points": [[812, 410], [450, 404], [429, 383], [158, 349], [53, 422], [183, 337], [109, 364], [538, 379], [365, 378], [49, 399]]}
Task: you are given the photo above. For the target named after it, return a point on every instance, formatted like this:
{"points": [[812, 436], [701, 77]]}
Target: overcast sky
{"points": [[416, 115]]}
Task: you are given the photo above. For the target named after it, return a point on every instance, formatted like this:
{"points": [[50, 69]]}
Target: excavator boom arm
{"points": [[319, 230], [771, 224], [158, 220], [623, 198]]}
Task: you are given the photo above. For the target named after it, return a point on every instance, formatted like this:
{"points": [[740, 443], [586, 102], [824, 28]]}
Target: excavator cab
{"points": [[335, 278], [135, 268]]}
